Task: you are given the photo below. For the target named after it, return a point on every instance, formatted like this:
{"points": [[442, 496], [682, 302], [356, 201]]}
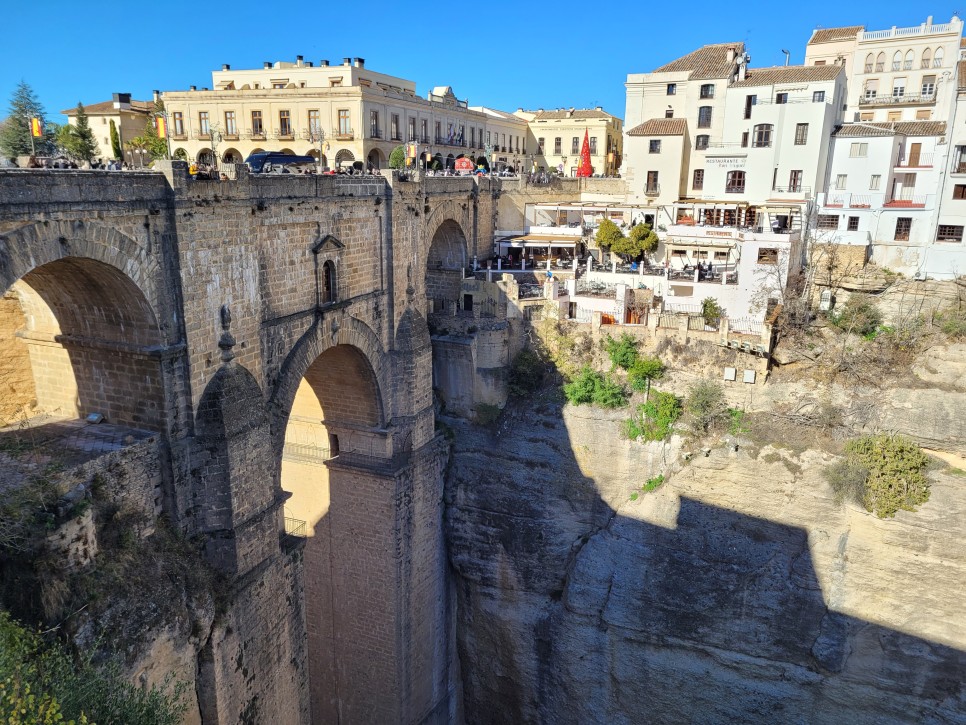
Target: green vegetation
{"points": [[397, 159], [77, 139], [643, 371], [590, 386], [622, 351], [115, 140], [737, 425], [15, 137], [655, 419], [486, 414], [40, 683], [527, 373], [884, 473], [643, 239], [952, 322], [706, 405], [711, 311], [652, 485], [566, 350], [858, 315], [608, 234]]}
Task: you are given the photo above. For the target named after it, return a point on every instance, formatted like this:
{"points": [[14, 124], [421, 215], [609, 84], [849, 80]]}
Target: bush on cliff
{"points": [[654, 420], [590, 386]]}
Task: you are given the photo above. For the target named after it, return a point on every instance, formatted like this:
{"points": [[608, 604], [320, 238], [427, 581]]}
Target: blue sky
{"points": [[500, 54]]}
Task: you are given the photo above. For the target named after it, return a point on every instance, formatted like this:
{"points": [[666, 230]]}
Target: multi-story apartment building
{"points": [[899, 74], [557, 137], [130, 118], [346, 112], [506, 139]]}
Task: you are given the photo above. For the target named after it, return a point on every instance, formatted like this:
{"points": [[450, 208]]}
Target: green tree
{"points": [[643, 371], [894, 479], [711, 311], [706, 403], [608, 234], [397, 159], [115, 140], [640, 240], [622, 351], [15, 129], [76, 139]]}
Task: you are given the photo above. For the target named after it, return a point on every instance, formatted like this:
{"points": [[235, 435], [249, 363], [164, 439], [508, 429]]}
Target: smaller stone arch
{"points": [[287, 151], [231, 156], [180, 154], [344, 157], [376, 159], [257, 151], [205, 157], [450, 160], [314, 153], [330, 285]]}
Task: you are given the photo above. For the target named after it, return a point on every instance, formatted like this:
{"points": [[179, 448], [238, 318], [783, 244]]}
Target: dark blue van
{"points": [[269, 161]]}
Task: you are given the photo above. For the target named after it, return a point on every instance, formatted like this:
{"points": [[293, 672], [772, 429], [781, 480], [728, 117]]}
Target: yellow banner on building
{"points": [[160, 123], [36, 127]]}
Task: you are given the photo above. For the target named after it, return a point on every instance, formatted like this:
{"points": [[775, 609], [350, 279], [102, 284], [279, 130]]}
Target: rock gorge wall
{"points": [[737, 592]]}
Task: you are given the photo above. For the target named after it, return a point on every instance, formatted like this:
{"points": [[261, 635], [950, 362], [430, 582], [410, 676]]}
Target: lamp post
{"points": [[316, 134], [215, 140], [140, 152]]}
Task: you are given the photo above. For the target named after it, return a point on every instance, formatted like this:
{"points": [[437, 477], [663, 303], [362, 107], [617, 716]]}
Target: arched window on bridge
{"points": [[329, 287]]}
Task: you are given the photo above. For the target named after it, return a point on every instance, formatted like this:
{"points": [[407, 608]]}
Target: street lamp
{"points": [[316, 134]]}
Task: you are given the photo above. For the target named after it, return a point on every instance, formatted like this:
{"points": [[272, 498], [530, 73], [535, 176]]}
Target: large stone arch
{"points": [[34, 245], [447, 255]]}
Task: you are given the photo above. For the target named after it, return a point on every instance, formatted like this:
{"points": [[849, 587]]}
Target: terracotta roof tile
{"points": [[829, 35], [788, 74], [660, 127], [705, 63], [107, 107], [900, 128], [578, 113]]}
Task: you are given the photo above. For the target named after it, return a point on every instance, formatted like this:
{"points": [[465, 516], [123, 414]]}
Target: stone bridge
{"points": [[272, 332]]}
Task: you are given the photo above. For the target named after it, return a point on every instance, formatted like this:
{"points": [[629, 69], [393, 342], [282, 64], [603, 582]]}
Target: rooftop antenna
{"points": [[787, 55]]}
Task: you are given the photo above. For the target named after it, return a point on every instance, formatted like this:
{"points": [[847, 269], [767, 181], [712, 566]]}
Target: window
{"points": [[654, 146], [949, 233], [868, 63], [928, 85], [959, 191], [439, 132], [412, 129], [801, 134], [781, 98], [818, 97], [424, 129], [704, 117], [744, 139], [328, 282], [762, 138], [859, 150], [866, 116], [556, 145], [284, 123], [373, 124], [903, 227], [231, 128], [278, 86], [750, 102], [315, 125], [828, 221], [937, 61], [257, 128], [345, 127], [735, 182], [923, 115], [880, 63], [853, 224], [926, 58], [593, 145], [894, 116], [575, 145], [871, 88], [875, 181], [768, 255], [897, 61], [652, 186], [795, 180], [698, 182], [907, 64], [898, 87], [487, 133], [203, 126], [701, 142], [540, 145], [672, 88], [472, 137], [707, 90], [669, 113], [394, 126], [840, 181], [178, 123]]}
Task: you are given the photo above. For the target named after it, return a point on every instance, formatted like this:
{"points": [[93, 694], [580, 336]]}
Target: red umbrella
{"points": [[464, 164], [585, 169]]}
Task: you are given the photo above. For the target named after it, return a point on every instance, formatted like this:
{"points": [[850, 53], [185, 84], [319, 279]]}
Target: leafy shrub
{"points": [[952, 322], [736, 422], [895, 479], [653, 483], [710, 311], [643, 371], [858, 315], [589, 386], [653, 420], [608, 233], [706, 404], [847, 478], [622, 351], [527, 373], [486, 414]]}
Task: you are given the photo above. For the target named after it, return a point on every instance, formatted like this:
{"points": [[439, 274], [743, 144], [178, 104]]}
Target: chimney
{"points": [[299, 59], [156, 95], [266, 65], [192, 88], [360, 62], [731, 55], [225, 66], [323, 63], [598, 108], [310, 64], [122, 100], [347, 61]]}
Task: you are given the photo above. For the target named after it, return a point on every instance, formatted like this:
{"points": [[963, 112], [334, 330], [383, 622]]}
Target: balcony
{"points": [[343, 134], [960, 167], [805, 191], [932, 29], [919, 161], [906, 201], [923, 99], [735, 189], [652, 190]]}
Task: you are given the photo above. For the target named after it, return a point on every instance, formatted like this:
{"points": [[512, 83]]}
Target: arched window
{"points": [[880, 63], [868, 63], [329, 289], [927, 58], [897, 61], [937, 61], [762, 137], [735, 183], [910, 58]]}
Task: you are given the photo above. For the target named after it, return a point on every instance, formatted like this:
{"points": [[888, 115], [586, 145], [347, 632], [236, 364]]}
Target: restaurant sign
{"points": [[726, 162]]}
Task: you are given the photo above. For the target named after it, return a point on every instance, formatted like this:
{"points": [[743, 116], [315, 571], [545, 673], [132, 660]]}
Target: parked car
{"points": [[266, 162]]}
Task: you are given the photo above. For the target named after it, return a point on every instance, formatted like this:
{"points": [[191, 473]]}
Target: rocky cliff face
{"points": [[737, 592]]}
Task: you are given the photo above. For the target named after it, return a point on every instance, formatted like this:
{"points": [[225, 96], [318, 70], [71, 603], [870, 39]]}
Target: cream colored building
{"points": [[348, 111], [898, 74], [506, 138], [556, 138], [130, 118]]}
